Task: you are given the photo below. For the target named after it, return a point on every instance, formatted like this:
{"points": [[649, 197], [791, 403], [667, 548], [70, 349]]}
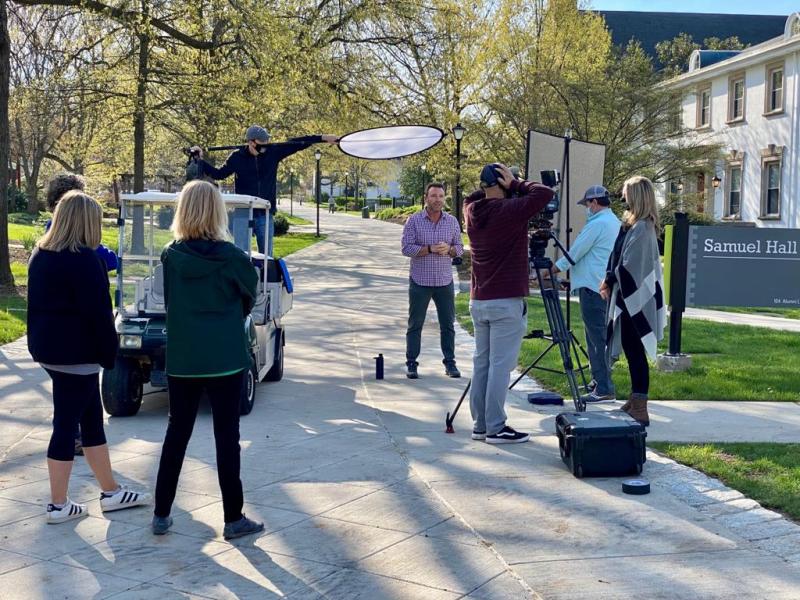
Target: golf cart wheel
{"points": [[122, 388], [276, 371], [248, 397]]}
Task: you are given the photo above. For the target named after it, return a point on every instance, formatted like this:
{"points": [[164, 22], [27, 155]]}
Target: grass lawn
{"points": [[292, 242], [729, 362], [12, 318], [767, 473], [294, 220]]}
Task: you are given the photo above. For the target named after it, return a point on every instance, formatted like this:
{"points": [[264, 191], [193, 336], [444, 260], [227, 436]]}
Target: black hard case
{"points": [[602, 443]]}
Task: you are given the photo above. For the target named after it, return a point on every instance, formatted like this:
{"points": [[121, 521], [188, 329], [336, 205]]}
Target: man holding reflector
{"points": [[255, 170]]}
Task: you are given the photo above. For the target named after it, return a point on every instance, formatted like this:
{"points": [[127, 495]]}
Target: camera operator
{"points": [[590, 252], [255, 168], [497, 226]]}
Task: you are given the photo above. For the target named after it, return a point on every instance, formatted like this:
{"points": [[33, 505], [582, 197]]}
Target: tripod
{"points": [[560, 335]]}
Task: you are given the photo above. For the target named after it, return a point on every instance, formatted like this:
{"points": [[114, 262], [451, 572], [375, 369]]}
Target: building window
{"points": [[733, 200], [704, 108], [774, 91], [771, 190], [736, 98]]}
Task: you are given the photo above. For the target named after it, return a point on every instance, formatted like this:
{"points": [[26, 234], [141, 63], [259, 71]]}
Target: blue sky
{"points": [[744, 7]]}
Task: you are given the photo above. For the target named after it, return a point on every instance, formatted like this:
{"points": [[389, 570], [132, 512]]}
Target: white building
{"points": [[749, 103]]}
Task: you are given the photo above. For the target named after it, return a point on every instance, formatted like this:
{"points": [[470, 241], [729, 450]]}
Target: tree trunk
{"points": [[6, 278], [32, 186], [139, 113]]}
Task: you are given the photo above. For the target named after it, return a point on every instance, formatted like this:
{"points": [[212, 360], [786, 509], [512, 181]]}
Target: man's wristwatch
{"points": [[429, 249]]}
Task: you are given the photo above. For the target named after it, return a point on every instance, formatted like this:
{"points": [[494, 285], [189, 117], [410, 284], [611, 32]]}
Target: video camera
{"points": [[540, 227]]}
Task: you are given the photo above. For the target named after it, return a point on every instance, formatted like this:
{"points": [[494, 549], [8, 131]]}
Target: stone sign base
{"points": [[672, 363]]}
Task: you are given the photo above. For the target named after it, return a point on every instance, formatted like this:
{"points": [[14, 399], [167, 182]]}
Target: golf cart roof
{"points": [[164, 197]]}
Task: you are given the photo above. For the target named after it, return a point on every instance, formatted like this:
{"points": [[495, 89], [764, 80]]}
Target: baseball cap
{"points": [[256, 132], [596, 192], [489, 175]]}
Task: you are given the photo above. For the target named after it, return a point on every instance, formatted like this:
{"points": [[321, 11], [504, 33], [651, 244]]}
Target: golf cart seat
{"points": [[260, 307], [158, 283]]}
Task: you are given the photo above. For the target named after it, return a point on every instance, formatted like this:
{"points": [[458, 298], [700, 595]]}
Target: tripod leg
{"points": [[563, 337], [448, 420], [532, 365], [575, 344]]}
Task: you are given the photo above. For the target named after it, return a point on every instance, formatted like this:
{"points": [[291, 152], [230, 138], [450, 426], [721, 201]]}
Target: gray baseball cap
{"points": [[596, 192], [256, 132]]}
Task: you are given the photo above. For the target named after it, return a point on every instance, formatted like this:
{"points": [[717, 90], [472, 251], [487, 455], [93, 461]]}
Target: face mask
{"points": [[589, 212]]}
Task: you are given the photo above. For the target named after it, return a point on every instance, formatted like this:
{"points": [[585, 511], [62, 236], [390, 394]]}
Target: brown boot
{"points": [[627, 406], [638, 409]]}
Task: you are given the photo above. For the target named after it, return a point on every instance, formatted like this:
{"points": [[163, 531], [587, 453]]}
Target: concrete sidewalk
{"points": [[363, 494]]}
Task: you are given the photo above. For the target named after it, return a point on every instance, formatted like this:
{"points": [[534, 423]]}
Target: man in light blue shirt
{"points": [[590, 252]]}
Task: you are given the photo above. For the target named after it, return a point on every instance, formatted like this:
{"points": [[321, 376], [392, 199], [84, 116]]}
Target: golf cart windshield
{"points": [[144, 230]]}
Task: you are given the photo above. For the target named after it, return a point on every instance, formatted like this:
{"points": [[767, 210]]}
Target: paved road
{"points": [[363, 494]]}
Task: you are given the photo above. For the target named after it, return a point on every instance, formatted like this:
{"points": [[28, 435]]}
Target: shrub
{"points": [[17, 200], [281, 224], [391, 213], [29, 241]]}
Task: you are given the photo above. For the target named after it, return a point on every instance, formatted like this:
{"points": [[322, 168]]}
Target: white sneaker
{"points": [[71, 510], [124, 497]]}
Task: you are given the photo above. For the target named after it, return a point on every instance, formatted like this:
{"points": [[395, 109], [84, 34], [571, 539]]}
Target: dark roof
{"points": [[653, 27]]}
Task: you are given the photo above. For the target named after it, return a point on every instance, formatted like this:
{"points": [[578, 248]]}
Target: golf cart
{"points": [[144, 222]]}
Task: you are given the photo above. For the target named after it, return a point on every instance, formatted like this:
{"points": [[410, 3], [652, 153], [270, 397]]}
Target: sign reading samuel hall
{"points": [[737, 266]]}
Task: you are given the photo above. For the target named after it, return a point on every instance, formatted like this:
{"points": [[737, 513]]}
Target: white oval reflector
{"points": [[383, 143]]}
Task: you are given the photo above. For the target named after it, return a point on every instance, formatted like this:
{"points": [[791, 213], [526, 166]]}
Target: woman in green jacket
{"points": [[209, 288]]}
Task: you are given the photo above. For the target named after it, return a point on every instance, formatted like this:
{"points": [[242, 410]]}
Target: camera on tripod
{"points": [[540, 227]]}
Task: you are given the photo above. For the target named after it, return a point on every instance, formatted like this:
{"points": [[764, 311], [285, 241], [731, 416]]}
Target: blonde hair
{"points": [[77, 223], [640, 196], [200, 214]]}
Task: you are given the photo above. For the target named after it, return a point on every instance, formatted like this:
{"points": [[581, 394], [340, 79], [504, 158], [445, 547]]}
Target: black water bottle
{"points": [[379, 366]]}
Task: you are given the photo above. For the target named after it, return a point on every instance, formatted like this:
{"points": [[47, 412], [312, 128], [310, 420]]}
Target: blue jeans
{"points": [[499, 327], [593, 312], [262, 225], [419, 297]]}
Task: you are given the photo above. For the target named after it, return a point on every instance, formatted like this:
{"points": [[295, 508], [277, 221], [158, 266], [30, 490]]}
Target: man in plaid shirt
{"points": [[431, 238]]}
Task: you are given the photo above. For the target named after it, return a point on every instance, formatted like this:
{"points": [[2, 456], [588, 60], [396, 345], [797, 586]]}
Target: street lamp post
{"points": [[422, 192], [357, 190], [317, 185], [458, 133], [291, 192], [346, 175]]}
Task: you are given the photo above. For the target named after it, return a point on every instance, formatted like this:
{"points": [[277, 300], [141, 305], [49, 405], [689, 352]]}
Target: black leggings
{"points": [[76, 401], [635, 353], [184, 399]]}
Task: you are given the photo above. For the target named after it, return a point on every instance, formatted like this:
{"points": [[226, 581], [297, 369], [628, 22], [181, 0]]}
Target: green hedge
{"points": [[390, 213]]}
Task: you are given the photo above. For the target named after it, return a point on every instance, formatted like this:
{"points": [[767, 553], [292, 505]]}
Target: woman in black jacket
{"points": [[71, 335]]}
